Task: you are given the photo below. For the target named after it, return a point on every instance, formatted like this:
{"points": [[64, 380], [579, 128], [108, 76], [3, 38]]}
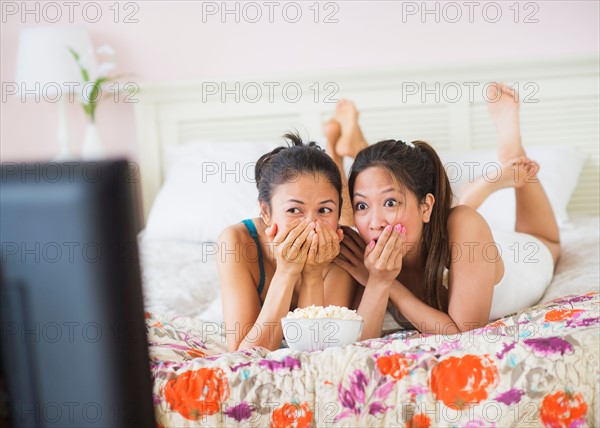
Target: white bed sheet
{"points": [[578, 269], [180, 278]]}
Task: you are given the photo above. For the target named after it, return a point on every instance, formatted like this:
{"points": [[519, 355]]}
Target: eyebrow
{"points": [[328, 201], [302, 203], [388, 190]]}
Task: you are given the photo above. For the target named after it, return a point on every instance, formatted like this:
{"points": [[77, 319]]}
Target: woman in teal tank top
{"points": [[281, 260]]}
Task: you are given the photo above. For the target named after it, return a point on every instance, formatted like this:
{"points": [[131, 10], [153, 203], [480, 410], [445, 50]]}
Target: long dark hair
{"points": [[286, 164], [417, 167]]}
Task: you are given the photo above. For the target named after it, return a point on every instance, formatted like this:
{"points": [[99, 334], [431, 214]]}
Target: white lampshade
{"points": [[44, 57]]}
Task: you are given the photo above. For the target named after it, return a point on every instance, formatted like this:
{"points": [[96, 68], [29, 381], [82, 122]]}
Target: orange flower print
{"points": [[563, 409], [395, 365], [561, 314], [197, 393], [459, 381], [196, 353], [495, 324], [292, 415], [419, 421]]}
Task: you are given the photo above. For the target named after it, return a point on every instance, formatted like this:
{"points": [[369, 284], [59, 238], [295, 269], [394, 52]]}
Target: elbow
{"points": [[463, 324], [469, 326]]}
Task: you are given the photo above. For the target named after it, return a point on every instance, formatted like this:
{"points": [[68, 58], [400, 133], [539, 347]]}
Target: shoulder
{"points": [[463, 213], [233, 265], [237, 232], [466, 222], [233, 242]]}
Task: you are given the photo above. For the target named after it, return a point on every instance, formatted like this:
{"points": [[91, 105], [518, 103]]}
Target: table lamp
{"points": [[46, 69]]}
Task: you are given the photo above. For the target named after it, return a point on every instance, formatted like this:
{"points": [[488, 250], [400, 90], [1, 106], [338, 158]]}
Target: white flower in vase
{"points": [[91, 93]]}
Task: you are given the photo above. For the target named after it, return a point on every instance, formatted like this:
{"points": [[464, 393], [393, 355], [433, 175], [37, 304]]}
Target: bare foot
{"points": [[518, 172], [352, 140], [503, 105], [332, 131]]}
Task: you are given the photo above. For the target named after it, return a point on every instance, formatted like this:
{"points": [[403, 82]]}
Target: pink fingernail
{"points": [[398, 228], [403, 230], [388, 228], [372, 244]]}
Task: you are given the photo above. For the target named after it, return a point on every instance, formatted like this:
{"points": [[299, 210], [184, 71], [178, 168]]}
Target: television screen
{"points": [[73, 339]]}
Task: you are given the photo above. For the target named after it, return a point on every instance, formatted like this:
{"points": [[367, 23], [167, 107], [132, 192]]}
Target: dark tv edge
{"points": [[116, 215]]}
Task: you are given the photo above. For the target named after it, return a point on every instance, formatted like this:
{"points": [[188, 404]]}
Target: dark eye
{"points": [[294, 210], [390, 203], [360, 206], [325, 210]]}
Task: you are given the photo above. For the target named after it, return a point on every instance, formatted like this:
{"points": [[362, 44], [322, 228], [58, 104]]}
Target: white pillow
{"points": [[209, 186], [559, 173]]}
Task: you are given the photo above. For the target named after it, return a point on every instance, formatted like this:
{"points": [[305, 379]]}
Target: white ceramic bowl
{"points": [[315, 334]]}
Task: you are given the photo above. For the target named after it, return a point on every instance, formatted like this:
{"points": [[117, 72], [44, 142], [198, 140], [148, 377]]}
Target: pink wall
{"points": [[171, 42]]}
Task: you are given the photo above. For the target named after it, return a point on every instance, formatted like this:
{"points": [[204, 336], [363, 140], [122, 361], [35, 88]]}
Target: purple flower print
{"points": [[549, 345], [505, 349], [240, 412], [585, 322], [511, 396], [377, 408], [347, 399], [288, 362], [356, 400], [239, 366], [358, 381], [575, 299]]}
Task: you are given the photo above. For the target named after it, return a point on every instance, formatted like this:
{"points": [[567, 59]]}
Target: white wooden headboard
{"points": [[560, 106]]}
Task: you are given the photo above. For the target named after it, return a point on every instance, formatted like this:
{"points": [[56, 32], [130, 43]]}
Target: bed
{"points": [[538, 367]]}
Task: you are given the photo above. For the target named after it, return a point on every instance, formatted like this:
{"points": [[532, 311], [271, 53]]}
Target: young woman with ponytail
{"points": [[437, 266], [281, 260]]}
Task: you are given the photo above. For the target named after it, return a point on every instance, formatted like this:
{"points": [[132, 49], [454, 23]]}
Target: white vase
{"points": [[92, 148]]}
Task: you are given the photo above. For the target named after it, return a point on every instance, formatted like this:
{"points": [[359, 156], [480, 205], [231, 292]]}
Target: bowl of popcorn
{"points": [[315, 328]]}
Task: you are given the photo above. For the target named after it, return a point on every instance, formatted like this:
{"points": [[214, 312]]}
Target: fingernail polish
{"points": [[398, 228], [388, 228], [372, 244], [403, 230]]}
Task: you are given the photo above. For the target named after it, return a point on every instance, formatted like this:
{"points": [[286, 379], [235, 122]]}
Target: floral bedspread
{"points": [[540, 367]]}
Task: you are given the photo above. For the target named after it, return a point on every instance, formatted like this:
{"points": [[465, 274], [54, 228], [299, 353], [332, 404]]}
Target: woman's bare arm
{"points": [[246, 324], [471, 281]]}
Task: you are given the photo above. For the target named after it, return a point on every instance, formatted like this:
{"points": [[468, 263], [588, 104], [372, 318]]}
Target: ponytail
{"points": [[435, 245]]}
